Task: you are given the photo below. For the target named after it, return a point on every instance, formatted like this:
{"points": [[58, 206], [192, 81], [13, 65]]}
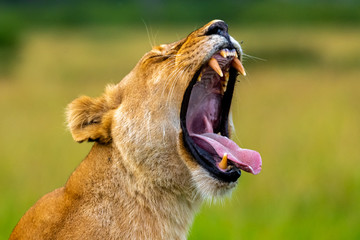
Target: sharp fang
{"points": [[238, 66], [223, 163], [213, 63], [223, 53]]}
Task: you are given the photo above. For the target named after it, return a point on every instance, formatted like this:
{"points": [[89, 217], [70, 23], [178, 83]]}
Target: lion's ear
{"points": [[90, 119]]}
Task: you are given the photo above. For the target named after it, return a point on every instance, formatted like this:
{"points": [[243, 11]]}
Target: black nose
{"points": [[219, 28]]}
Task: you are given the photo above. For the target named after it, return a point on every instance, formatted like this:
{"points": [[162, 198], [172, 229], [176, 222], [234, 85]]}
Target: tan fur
{"points": [[138, 181]]}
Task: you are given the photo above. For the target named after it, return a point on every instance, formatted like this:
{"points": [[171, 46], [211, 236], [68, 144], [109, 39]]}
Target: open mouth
{"points": [[204, 119]]}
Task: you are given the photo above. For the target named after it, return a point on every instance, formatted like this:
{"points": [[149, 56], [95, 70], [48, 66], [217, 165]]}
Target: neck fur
{"points": [[130, 203]]}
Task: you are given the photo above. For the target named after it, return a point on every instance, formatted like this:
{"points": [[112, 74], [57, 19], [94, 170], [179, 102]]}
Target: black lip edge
{"points": [[201, 156]]}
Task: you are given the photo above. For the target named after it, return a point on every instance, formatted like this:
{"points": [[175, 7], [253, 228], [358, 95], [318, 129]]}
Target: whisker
{"points": [[179, 76], [169, 78], [172, 87], [247, 56], [152, 43]]}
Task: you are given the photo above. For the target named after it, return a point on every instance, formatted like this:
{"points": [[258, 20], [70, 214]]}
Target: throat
{"points": [[155, 211], [204, 116]]}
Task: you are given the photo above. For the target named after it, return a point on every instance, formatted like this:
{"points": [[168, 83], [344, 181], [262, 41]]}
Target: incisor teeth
{"points": [[238, 66], [213, 63], [228, 53], [232, 53], [223, 163]]}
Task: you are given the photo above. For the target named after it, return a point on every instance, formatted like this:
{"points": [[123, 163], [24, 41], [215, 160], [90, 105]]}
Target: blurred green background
{"points": [[299, 105]]}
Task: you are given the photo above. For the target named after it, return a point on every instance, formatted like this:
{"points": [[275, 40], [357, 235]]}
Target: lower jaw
{"points": [[206, 161], [209, 187]]}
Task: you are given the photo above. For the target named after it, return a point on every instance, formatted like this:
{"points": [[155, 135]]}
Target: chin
{"points": [[209, 187]]}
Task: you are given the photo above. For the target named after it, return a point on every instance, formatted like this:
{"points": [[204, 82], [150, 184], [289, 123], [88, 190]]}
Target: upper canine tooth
{"points": [[238, 66], [223, 53], [213, 63]]}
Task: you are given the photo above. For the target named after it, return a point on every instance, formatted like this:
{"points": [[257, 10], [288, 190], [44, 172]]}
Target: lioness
{"points": [[161, 147]]}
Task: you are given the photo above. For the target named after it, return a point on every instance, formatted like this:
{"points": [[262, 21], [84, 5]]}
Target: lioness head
{"points": [[168, 118]]}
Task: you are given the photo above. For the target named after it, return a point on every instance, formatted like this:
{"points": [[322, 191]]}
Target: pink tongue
{"points": [[245, 159]]}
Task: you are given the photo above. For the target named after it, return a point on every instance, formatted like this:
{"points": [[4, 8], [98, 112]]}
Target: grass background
{"points": [[299, 107]]}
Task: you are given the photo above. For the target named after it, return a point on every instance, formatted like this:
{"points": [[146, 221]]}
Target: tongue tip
{"points": [[256, 171], [256, 162], [248, 169]]}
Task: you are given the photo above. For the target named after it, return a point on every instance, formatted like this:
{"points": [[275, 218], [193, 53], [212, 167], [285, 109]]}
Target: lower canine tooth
{"points": [[238, 66], [213, 63], [223, 163]]}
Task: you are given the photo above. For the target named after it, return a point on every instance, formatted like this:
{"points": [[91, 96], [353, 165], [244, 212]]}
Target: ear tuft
{"points": [[89, 119]]}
